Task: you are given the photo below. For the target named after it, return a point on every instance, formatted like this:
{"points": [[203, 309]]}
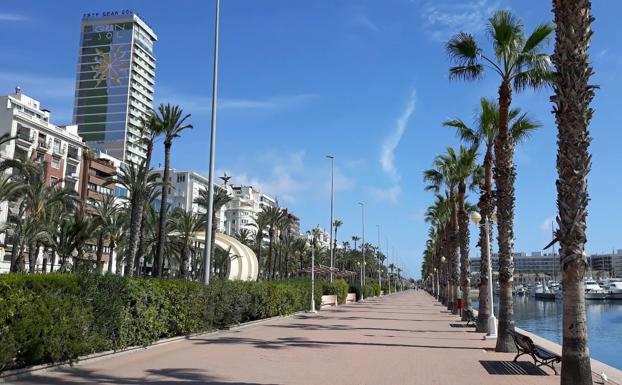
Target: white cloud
{"points": [[390, 194], [545, 227], [12, 17], [200, 104], [387, 153], [285, 176], [442, 19], [366, 22]]}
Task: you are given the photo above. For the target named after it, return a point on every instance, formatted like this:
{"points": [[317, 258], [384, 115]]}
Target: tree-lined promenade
{"points": [[520, 62], [406, 338]]}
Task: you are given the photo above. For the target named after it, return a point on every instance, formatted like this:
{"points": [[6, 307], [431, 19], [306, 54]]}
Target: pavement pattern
{"points": [[405, 338]]}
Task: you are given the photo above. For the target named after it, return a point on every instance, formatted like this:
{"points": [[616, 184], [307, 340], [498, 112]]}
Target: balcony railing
{"points": [[42, 143]]}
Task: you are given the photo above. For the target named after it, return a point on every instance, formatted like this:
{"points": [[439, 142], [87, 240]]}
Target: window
{"points": [[55, 163], [57, 146], [53, 181], [40, 157]]}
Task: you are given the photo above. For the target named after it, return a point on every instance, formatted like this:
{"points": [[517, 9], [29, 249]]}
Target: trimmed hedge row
{"points": [[58, 317]]}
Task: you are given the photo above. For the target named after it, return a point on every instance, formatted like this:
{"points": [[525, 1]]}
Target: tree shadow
{"points": [[299, 342], [166, 376]]}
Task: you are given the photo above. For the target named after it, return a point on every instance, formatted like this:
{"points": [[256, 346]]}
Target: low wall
{"points": [[328, 301], [351, 298]]}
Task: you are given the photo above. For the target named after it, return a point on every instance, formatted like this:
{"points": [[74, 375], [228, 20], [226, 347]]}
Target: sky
{"points": [[365, 81]]}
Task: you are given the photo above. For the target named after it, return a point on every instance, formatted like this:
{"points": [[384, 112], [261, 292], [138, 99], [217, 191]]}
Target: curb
{"points": [[15, 374]]}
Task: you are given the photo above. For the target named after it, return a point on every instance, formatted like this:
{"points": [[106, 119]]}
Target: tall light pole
{"points": [[378, 255], [212, 155], [363, 244], [492, 321], [332, 196]]}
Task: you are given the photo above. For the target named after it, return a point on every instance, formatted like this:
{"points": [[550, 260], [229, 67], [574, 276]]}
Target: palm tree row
{"points": [[520, 63]]}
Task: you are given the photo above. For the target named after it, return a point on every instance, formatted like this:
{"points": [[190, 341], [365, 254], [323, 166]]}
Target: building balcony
{"points": [[43, 144], [72, 153]]}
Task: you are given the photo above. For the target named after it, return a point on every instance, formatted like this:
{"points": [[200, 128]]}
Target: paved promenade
{"points": [[400, 339]]}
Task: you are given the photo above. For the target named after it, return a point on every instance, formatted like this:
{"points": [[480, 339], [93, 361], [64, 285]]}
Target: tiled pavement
{"points": [[404, 338]]}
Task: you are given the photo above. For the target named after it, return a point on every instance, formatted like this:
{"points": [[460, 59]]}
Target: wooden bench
{"points": [[540, 355], [470, 317], [351, 298], [328, 301]]}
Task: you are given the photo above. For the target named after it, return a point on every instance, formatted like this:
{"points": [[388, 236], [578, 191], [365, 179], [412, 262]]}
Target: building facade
{"points": [[535, 263], [114, 83], [57, 148], [97, 169], [247, 202]]}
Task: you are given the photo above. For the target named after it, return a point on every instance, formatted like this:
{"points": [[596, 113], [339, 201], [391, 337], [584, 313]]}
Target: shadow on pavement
{"points": [[166, 376], [297, 342], [512, 368]]}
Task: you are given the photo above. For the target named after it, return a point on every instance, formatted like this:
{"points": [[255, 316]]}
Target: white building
{"points": [[58, 148], [185, 187], [242, 211]]}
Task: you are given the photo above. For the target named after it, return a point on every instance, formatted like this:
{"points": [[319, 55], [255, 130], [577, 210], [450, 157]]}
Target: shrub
{"points": [[59, 317], [338, 287]]}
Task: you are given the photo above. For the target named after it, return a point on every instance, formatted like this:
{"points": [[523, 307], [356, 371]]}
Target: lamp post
{"points": [[312, 246], [492, 321], [362, 246], [332, 197], [212, 154], [445, 294], [378, 255]]}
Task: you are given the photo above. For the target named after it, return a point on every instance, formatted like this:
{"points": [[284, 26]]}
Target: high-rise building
{"points": [[114, 82]]}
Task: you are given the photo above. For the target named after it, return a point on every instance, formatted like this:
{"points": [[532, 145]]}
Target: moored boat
{"points": [[594, 291]]}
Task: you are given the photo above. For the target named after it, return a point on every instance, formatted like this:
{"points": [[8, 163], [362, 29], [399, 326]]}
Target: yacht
{"points": [[593, 290], [614, 288]]}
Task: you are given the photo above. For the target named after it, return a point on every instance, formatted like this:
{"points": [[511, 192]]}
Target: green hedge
{"points": [[368, 291], [58, 317], [338, 287]]}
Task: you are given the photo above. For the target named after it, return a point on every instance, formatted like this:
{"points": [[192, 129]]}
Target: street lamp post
{"points": [[332, 197], [363, 246], [212, 155], [492, 321], [378, 255], [445, 294], [312, 246]]}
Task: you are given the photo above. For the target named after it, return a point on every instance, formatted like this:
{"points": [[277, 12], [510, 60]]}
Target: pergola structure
{"points": [[326, 270]]}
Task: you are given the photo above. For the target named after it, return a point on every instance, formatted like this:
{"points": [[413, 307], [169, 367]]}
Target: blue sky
{"points": [[365, 81]]}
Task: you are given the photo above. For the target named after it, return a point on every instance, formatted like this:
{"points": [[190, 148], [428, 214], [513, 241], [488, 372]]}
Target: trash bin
{"points": [[460, 305]]}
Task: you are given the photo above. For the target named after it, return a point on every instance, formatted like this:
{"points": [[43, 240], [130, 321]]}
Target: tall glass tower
{"points": [[114, 82]]}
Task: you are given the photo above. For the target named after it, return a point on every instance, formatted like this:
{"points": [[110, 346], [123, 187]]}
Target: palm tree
{"points": [[337, 223], [484, 134], [573, 95], [172, 123], [117, 230], [355, 238], [245, 236], [137, 179], [184, 225], [104, 211], [220, 199], [520, 63], [273, 216], [444, 175]]}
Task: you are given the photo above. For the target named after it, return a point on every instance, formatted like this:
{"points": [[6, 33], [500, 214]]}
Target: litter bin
{"points": [[460, 305]]}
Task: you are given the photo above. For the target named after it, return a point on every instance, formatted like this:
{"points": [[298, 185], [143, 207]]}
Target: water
{"points": [[604, 324]]}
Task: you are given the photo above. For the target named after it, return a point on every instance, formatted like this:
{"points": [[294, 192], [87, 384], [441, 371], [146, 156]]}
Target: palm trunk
{"points": [[32, 257], [486, 206], [453, 257], [111, 246], [15, 253], [271, 235], [52, 259], [100, 252], [505, 174], [158, 259], [572, 98], [184, 261], [135, 218], [465, 265]]}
